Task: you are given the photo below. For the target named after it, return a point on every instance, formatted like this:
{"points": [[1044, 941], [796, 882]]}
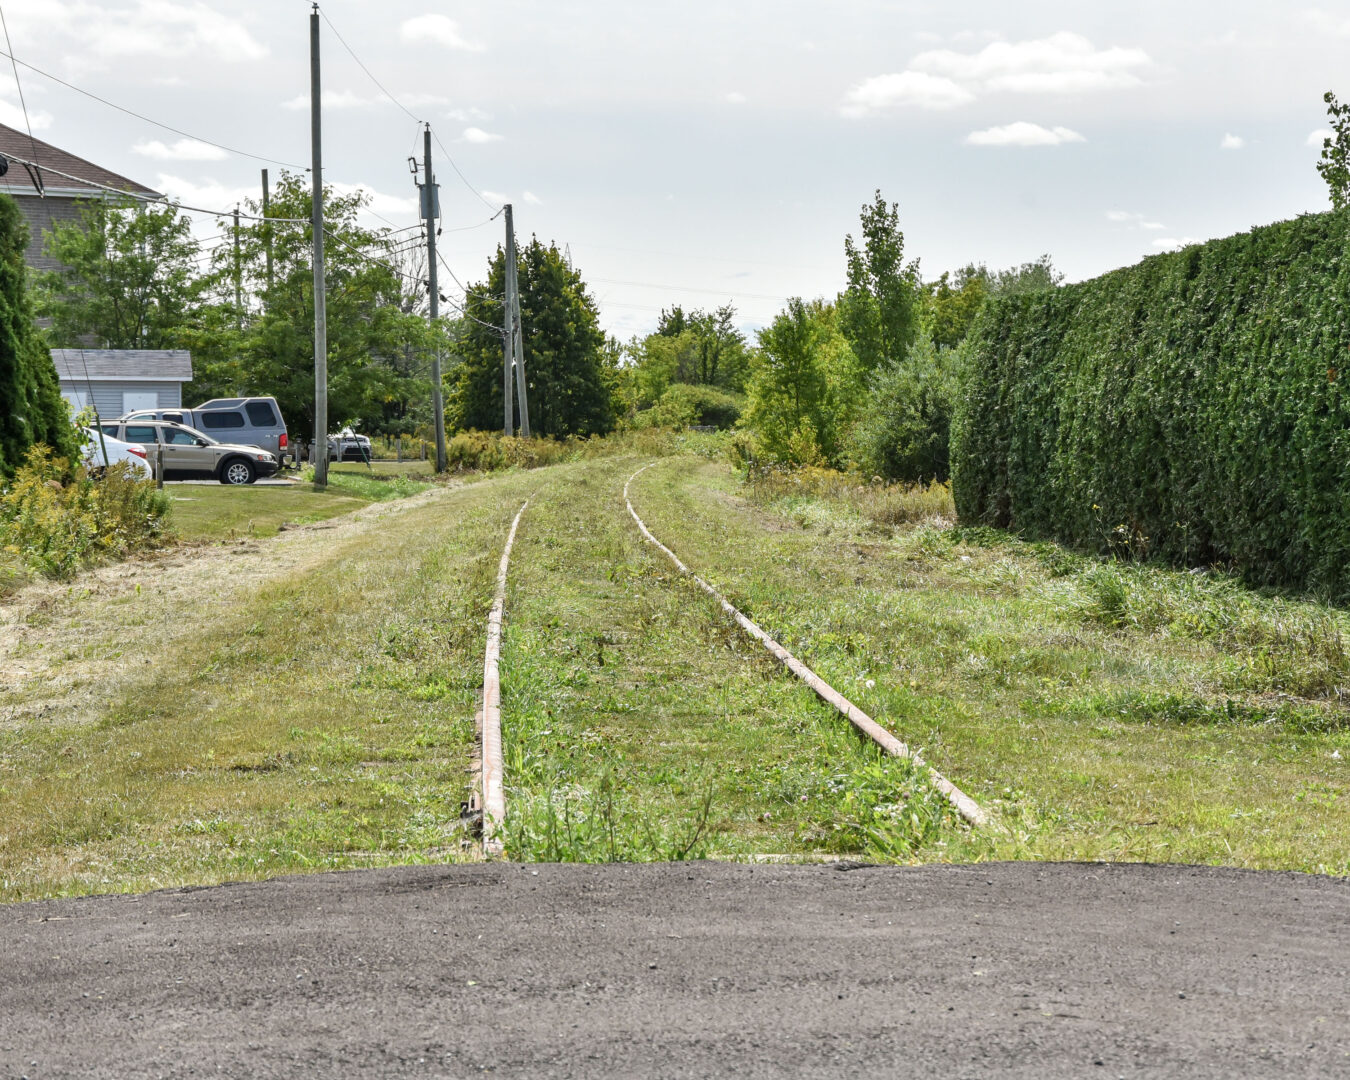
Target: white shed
{"points": [[116, 381]]}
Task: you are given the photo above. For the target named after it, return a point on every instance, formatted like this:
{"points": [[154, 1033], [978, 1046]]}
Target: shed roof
{"points": [[17, 181], [163, 365]]}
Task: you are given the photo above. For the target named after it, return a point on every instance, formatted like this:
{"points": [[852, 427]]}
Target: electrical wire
{"points": [[37, 175], [167, 127], [324, 15], [464, 178]]}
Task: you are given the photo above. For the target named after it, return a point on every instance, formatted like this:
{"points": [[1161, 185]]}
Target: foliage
{"points": [[903, 426], [31, 408], [805, 385], [879, 311], [954, 301], [1190, 407], [484, 451], [568, 366], [684, 405], [1334, 166], [378, 340], [885, 505], [57, 527], [702, 348], [128, 277]]}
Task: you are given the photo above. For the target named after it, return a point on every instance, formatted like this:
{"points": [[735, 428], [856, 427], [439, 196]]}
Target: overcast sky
{"points": [[705, 152]]}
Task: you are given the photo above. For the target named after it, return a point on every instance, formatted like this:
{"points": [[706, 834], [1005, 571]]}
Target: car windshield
{"points": [[181, 433]]}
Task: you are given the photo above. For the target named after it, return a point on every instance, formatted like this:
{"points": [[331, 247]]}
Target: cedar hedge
{"points": [[1192, 407]]}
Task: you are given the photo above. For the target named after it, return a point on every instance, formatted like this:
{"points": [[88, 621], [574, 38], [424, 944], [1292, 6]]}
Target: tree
{"points": [[31, 408], [904, 427], [954, 300], [699, 348], [879, 311], [1334, 167], [376, 334], [569, 365], [128, 277], [805, 385]]}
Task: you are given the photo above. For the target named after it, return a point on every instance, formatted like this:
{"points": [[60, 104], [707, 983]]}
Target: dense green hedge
{"points": [[1193, 406]]}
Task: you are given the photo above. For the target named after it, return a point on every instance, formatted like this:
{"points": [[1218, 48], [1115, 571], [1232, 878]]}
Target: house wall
{"points": [[109, 396], [42, 214]]}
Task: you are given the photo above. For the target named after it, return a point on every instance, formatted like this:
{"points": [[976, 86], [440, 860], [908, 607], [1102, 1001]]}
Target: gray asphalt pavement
{"points": [[689, 970]]}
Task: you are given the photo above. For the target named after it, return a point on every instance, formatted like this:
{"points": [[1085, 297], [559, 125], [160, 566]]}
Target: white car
{"points": [[101, 450]]}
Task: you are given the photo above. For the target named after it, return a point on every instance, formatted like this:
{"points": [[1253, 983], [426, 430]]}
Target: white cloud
{"points": [[463, 116], [182, 150], [12, 116], [735, 98], [1172, 243], [1323, 22], [1022, 133], [905, 88], [1315, 138], [478, 135], [1125, 217], [208, 195], [165, 28], [336, 99], [379, 202], [495, 197], [1232, 142], [439, 30], [1061, 63], [531, 198]]}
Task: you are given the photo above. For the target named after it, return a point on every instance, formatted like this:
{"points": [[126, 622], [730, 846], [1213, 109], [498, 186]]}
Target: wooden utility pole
{"points": [[238, 276], [316, 226], [518, 333], [267, 229], [508, 327], [431, 210]]}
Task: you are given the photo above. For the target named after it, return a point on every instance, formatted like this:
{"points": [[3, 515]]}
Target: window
{"points": [[214, 421], [176, 417], [131, 401], [260, 414], [179, 436], [141, 433]]}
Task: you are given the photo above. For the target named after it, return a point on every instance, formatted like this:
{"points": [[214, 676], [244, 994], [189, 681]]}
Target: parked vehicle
{"points": [[102, 450], [348, 446], [250, 421], [189, 454]]}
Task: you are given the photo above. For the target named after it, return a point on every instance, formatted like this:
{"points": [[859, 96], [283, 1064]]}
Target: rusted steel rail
{"points": [[964, 805], [490, 773]]}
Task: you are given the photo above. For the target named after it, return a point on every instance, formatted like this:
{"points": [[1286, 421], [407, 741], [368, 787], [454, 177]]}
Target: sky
{"points": [[702, 153]]}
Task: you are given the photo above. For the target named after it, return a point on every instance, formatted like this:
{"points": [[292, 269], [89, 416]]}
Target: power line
{"points": [[464, 178], [167, 127], [37, 176], [362, 66], [464, 288]]}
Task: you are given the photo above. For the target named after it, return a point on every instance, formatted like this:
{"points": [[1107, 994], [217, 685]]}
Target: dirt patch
{"points": [[68, 648]]}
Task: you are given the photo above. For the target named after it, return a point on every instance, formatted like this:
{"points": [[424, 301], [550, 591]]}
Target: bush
{"points": [[686, 405], [1189, 407], [54, 522], [485, 451], [903, 429]]}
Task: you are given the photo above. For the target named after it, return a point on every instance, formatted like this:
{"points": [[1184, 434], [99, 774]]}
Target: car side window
{"points": [[110, 430], [142, 433], [214, 421], [180, 437], [260, 414]]}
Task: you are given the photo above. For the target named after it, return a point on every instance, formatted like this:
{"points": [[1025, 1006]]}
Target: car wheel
{"points": [[238, 471]]}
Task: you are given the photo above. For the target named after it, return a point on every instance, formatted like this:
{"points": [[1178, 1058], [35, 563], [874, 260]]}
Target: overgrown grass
{"points": [[812, 495], [255, 745], [640, 725], [1102, 709], [202, 513]]}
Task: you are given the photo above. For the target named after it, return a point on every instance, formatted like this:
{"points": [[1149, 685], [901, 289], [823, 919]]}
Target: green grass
{"points": [[323, 721], [207, 513], [1104, 711], [384, 468]]}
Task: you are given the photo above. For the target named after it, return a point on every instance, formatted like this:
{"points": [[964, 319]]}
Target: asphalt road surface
{"points": [[689, 970]]}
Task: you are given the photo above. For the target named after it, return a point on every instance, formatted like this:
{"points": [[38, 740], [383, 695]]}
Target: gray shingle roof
{"points": [[15, 143], [173, 365]]}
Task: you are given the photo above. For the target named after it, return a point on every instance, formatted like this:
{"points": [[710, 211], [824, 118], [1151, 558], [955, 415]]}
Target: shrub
{"points": [[686, 405], [903, 428], [54, 522], [1189, 407], [485, 451]]}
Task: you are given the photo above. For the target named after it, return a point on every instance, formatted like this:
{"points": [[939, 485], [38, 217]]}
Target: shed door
{"points": [[131, 401]]}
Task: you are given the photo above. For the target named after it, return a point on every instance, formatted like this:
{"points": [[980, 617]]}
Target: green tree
{"points": [[1334, 167], [31, 408], [879, 311], [954, 300], [904, 427], [377, 339], [128, 277], [805, 385], [569, 365]]}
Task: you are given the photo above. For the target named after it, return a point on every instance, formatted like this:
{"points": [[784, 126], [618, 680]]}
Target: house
{"points": [[57, 197], [116, 381]]}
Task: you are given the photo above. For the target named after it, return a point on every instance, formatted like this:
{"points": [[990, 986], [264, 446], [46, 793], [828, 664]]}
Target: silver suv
{"points": [[189, 454], [251, 421]]}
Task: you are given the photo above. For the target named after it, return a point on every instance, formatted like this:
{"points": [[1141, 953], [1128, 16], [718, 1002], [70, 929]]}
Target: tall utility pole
{"points": [[316, 225], [515, 345], [508, 326], [431, 210], [267, 229], [238, 276]]}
